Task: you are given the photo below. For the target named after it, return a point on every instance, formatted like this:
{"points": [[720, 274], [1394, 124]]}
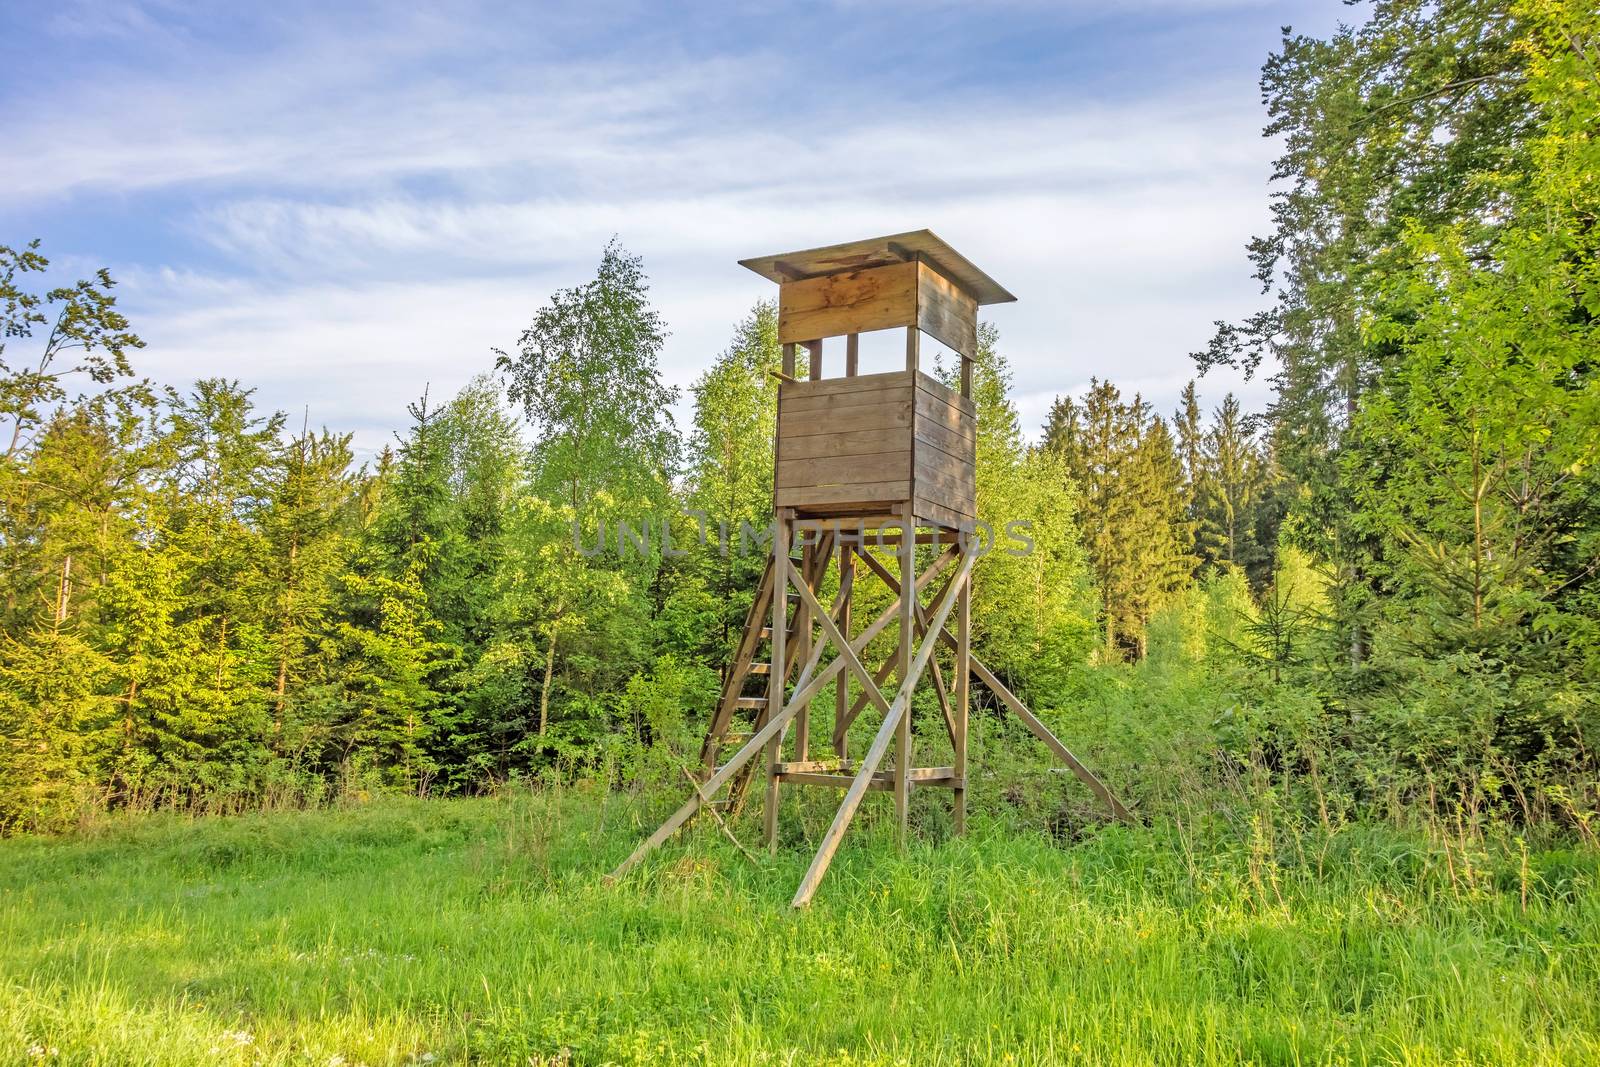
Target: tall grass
{"points": [[478, 931]]}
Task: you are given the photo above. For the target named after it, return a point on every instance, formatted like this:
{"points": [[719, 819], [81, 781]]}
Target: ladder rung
{"points": [[751, 703], [760, 668], [766, 633]]}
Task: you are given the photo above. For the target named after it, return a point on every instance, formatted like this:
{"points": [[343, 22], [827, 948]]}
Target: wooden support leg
{"points": [[802, 629], [776, 680], [963, 680], [841, 686], [908, 619]]}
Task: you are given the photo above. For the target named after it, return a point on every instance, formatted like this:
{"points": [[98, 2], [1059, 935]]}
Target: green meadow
{"points": [[481, 931]]}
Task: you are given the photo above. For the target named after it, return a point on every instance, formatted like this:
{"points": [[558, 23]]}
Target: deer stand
{"points": [[857, 457]]}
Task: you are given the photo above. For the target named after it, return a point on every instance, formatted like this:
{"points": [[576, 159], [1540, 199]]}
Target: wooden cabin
{"points": [[873, 445]]}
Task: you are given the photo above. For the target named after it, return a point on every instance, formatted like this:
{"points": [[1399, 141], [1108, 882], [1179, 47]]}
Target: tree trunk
{"points": [[544, 691]]}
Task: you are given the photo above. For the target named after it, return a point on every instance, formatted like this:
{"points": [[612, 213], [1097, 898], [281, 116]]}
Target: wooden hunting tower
{"points": [[866, 465]]}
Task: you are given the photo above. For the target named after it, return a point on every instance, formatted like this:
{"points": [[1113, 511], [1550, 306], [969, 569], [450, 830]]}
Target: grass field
{"points": [[479, 931]]}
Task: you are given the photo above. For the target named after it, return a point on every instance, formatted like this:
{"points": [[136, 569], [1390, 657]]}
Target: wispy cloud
{"points": [[351, 205]]}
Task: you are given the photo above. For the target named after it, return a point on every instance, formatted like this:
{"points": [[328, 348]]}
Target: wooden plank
{"points": [[844, 420], [963, 667], [844, 470], [937, 489], [933, 409], [841, 688], [832, 386], [814, 360], [849, 443], [852, 355], [920, 776], [929, 384], [908, 618], [945, 471], [934, 512], [913, 349], [857, 301], [788, 362], [966, 377], [864, 494], [888, 393], [797, 766], [777, 680], [946, 312], [961, 448]]}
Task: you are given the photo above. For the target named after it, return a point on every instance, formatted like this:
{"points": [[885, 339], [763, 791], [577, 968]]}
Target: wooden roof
{"points": [[876, 252]]}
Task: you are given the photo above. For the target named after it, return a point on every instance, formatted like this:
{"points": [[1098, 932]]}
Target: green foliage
{"points": [[1126, 468], [1380, 596]]}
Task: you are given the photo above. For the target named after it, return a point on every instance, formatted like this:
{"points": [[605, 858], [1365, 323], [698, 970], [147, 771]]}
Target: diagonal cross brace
{"points": [[1034, 724], [757, 741], [880, 743]]}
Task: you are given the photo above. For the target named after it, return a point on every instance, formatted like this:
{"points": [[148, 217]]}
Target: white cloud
{"points": [[381, 225]]}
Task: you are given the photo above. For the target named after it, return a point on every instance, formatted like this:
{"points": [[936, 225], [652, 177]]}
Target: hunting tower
{"points": [[868, 467]]}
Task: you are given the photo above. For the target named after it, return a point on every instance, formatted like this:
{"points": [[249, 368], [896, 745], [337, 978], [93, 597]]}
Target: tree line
{"points": [[201, 598]]}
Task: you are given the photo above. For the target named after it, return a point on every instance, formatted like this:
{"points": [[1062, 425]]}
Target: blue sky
{"points": [[341, 204]]}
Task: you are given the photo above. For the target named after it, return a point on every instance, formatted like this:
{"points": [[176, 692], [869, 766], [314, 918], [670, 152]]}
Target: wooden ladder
{"points": [[741, 712]]}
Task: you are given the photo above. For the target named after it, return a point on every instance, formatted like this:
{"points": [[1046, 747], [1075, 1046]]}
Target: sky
{"points": [[342, 205]]}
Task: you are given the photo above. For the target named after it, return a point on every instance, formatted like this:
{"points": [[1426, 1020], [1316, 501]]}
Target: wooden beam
{"points": [[814, 360], [831, 631], [779, 677], [942, 777], [806, 688], [893, 662], [908, 620], [963, 690], [1042, 732], [874, 756], [913, 343], [802, 628], [788, 361], [922, 617], [852, 355], [841, 687]]}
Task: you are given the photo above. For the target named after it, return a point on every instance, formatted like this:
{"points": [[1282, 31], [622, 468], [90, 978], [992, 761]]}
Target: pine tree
{"points": [[1135, 526], [1232, 493], [309, 526]]}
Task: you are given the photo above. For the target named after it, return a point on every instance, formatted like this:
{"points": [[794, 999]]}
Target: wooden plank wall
{"points": [[945, 469], [879, 298], [857, 301], [946, 312], [858, 444], [845, 443]]}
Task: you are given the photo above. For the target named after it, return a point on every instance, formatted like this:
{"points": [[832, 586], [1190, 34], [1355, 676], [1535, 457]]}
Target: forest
{"points": [[310, 755], [1387, 583]]}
